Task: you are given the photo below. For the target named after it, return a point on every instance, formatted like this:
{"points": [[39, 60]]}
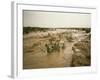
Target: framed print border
{"points": [[16, 55]]}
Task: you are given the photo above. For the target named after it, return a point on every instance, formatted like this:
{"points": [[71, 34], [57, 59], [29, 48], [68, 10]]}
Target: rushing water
{"points": [[36, 56]]}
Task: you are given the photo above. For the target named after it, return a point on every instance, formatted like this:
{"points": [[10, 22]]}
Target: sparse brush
{"points": [[54, 45]]}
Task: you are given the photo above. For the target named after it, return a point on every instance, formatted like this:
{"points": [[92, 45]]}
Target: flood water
{"points": [[35, 53]]}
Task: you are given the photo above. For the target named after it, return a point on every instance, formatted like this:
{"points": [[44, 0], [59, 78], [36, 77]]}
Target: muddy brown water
{"points": [[55, 59], [37, 57]]}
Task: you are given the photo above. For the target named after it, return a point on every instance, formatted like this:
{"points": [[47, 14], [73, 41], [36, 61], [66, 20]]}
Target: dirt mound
{"points": [[81, 53]]}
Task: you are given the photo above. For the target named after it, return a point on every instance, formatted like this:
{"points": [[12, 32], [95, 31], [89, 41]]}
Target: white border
{"points": [[17, 52]]}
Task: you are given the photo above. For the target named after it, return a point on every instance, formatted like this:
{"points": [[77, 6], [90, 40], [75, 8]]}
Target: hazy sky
{"points": [[55, 19]]}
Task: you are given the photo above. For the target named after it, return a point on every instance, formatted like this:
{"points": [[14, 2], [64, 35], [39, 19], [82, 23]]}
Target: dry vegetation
{"points": [[56, 47]]}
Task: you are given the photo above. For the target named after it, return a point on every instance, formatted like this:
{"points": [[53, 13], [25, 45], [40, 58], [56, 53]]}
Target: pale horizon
{"points": [[55, 19]]}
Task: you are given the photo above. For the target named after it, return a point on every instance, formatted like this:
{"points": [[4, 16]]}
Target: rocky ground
{"points": [[81, 52]]}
